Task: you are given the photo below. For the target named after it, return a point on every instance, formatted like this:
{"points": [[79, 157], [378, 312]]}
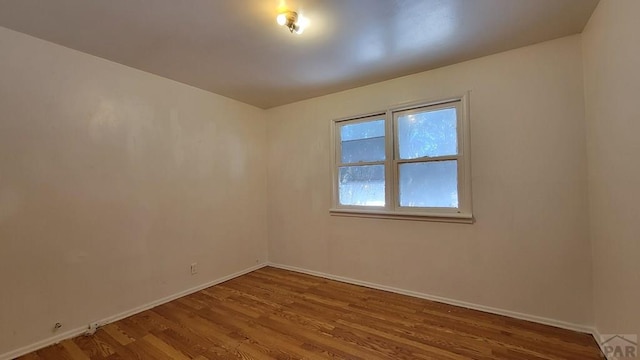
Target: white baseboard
{"points": [[488, 309], [81, 330]]}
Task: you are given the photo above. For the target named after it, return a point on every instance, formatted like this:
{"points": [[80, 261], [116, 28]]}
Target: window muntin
{"points": [[411, 161], [361, 166], [426, 156]]}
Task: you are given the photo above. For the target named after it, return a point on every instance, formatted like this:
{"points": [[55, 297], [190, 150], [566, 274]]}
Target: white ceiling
{"points": [[235, 48]]}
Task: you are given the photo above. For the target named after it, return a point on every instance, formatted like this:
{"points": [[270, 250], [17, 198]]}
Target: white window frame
{"points": [[392, 208]]}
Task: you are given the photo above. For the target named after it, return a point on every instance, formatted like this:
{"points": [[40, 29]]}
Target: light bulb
{"points": [[302, 24], [281, 19]]}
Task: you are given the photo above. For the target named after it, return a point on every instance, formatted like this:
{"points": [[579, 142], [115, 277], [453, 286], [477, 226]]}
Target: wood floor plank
{"points": [[170, 351], [277, 314], [120, 351], [94, 346], [56, 351], [31, 356], [74, 350], [120, 336]]}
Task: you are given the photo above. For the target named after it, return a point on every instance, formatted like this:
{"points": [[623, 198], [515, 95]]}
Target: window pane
{"points": [[361, 185], [428, 133], [362, 142], [429, 184]]}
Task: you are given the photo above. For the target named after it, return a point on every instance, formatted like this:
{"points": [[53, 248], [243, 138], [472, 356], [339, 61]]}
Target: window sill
{"points": [[382, 214]]}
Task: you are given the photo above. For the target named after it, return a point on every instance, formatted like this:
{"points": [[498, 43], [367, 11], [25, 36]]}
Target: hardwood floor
{"points": [[277, 314]]}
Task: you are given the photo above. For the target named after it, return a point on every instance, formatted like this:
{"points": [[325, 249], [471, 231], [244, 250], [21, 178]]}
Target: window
{"points": [[406, 162]]}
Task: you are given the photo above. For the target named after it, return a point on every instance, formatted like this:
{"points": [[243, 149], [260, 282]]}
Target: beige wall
{"points": [[529, 250], [112, 182], [612, 89]]}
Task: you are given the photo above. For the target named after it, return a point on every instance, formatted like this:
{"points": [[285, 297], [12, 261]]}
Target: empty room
{"points": [[305, 179]]}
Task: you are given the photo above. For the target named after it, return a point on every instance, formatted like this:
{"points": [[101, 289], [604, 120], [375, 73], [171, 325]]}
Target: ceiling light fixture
{"points": [[294, 22]]}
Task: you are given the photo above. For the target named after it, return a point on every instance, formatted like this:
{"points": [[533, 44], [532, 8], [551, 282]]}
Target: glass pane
{"points": [[361, 185], [428, 133], [362, 142], [429, 184]]}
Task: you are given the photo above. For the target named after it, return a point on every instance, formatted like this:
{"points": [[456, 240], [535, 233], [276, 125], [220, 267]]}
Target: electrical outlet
{"points": [[194, 268]]}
